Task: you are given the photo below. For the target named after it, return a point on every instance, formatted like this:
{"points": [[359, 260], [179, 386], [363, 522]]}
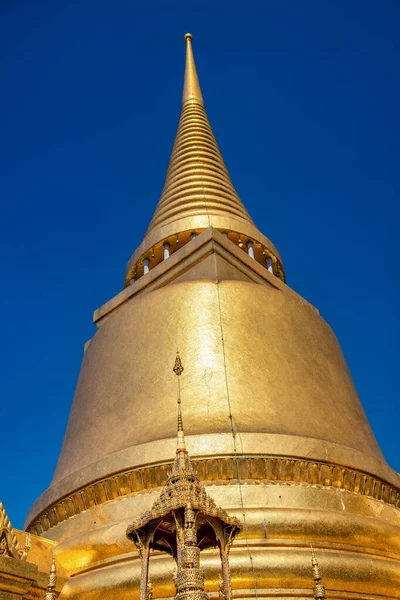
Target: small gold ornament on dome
{"points": [[183, 521], [178, 367], [319, 590]]}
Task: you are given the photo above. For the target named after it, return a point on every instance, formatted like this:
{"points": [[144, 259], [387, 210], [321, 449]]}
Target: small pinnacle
{"points": [[178, 368], [191, 85]]}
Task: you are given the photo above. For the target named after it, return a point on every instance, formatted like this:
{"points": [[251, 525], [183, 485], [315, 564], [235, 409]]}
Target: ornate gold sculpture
{"points": [[9, 545], [182, 522], [178, 368], [51, 586], [319, 590]]}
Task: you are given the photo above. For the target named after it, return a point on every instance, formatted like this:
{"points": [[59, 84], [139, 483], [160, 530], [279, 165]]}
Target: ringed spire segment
{"points": [[197, 183], [198, 192]]}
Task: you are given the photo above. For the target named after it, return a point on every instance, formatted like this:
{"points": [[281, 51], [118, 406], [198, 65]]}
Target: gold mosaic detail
{"points": [[219, 471]]}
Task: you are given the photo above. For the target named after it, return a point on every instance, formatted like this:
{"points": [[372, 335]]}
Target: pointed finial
{"points": [[178, 367], [319, 590], [191, 88], [51, 586], [178, 370]]}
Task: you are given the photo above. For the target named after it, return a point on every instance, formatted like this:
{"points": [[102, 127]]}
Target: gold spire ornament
{"points": [[178, 370], [197, 181], [191, 87], [9, 545], [319, 590], [178, 367], [51, 586], [183, 522], [198, 192]]}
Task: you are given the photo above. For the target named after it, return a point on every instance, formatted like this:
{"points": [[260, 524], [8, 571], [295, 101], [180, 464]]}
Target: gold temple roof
{"points": [[183, 488]]}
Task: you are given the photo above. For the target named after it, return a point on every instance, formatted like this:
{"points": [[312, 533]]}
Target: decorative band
{"points": [[225, 470]]}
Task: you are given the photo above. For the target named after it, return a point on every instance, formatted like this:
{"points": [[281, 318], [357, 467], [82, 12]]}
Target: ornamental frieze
{"points": [[220, 471]]}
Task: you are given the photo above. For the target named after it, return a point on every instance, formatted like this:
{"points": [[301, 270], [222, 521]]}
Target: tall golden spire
{"points": [[197, 181], [198, 192]]}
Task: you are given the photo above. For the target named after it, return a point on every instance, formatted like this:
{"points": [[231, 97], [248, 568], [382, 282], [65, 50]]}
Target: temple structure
{"points": [[278, 455]]}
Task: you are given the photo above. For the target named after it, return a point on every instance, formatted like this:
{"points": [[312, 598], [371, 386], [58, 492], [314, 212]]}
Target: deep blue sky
{"points": [[304, 99]]}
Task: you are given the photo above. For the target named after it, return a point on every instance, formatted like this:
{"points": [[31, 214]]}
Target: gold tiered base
{"points": [[355, 538], [302, 466]]}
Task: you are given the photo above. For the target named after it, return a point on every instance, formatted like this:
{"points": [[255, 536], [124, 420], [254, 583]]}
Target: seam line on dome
{"points": [[234, 434]]}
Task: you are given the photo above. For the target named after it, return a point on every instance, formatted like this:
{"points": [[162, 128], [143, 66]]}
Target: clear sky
{"points": [[304, 100]]}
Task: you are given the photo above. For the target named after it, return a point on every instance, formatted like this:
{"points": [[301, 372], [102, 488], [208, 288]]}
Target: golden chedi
{"points": [[274, 428]]}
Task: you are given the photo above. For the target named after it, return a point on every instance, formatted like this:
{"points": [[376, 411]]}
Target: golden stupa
{"points": [[278, 440]]}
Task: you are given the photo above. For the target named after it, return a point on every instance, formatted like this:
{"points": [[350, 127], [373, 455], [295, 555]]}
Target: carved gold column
{"points": [[226, 575], [144, 573], [225, 538], [142, 543]]}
